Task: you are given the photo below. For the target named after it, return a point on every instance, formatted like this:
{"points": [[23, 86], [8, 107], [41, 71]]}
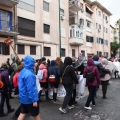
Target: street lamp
{"points": [[59, 30]]}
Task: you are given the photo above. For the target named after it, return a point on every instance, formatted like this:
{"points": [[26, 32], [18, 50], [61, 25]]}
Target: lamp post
{"points": [[59, 30]]}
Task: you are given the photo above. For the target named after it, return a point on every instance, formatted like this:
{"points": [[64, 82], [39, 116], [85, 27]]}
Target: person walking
{"points": [[15, 79], [4, 90], [28, 93], [54, 70], [92, 81], [44, 81], [106, 78], [68, 79]]}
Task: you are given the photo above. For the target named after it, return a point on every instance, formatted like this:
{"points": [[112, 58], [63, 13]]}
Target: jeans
{"points": [[4, 96], [68, 98], [104, 87], [91, 96]]}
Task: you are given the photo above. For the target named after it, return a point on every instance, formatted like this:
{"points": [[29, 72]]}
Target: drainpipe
{"points": [[15, 25], [103, 33], [59, 29]]}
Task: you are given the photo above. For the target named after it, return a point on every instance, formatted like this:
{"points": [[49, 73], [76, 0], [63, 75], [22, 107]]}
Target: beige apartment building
{"points": [[85, 27]]}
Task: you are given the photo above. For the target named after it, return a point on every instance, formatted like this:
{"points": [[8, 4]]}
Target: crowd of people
{"points": [[30, 78]]}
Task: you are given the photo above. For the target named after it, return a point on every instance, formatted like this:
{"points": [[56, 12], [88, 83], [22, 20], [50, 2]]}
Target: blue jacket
{"points": [[55, 70], [27, 82]]}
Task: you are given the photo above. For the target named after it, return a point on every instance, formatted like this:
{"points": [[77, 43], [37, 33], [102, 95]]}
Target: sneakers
{"points": [[71, 107], [62, 110], [88, 108], [13, 117]]}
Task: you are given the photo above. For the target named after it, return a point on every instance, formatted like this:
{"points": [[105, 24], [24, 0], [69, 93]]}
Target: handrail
{"points": [[7, 27]]}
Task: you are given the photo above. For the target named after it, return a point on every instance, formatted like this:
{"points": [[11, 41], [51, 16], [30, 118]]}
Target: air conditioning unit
{"points": [[62, 17], [99, 30], [82, 10], [106, 21]]}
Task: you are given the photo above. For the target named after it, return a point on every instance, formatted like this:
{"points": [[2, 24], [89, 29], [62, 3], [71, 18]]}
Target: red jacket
{"points": [[95, 72], [15, 79]]}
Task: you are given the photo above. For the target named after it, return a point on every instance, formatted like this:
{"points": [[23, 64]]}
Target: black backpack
{"points": [[90, 77]]}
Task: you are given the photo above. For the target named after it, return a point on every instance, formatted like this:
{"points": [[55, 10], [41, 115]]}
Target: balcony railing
{"points": [[8, 28], [74, 6]]}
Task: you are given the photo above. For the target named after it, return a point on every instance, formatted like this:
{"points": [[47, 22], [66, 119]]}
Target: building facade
{"points": [[84, 27]]}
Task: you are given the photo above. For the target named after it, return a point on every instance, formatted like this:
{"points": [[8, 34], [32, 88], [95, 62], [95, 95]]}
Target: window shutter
{"points": [[91, 39], [33, 50]]}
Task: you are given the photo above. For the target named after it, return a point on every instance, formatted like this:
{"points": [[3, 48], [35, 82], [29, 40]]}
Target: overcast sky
{"points": [[114, 7]]}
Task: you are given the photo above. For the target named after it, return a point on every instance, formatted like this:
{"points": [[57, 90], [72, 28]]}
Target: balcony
{"points": [[10, 3], [73, 20], [88, 15], [73, 5], [76, 41], [7, 29]]}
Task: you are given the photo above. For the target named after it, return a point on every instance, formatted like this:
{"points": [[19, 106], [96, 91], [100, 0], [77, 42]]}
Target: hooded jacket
{"points": [[69, 76], [45, 72], [5, 80], [108, 67], [99, 65], [95, 72], [55, 70], [27, 82]]}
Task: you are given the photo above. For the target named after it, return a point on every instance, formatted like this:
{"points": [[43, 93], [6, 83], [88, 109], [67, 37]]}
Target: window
{"points": [[73, 52], [21, 49], [61, 12], [81, 22], [47, 51], [62, 52], [32, 50], [106, 30], [97, 53], [96, 25], [5, 20], [89, 39], [99, 26], [45, 6], [99, 13], [100, 54], [105, 17], [83, 53], [97, 40], [88, 24], [28, 5], [46, 28], [4, 49], [107, 54], [96, 11], [26, 27]]}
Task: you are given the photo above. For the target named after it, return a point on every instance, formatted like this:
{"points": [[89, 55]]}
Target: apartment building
{"points": [[114, 34], [84, 27], [8, 27], [38, 25], [90, 29]]}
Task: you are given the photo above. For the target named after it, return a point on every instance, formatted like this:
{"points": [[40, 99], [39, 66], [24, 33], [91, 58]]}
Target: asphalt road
{"points": [[108, 109]]}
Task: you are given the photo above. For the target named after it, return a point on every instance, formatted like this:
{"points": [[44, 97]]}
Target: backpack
{"points": [[102, 74], [90, 77], [52, 77], [40, 75], [1, 82]]}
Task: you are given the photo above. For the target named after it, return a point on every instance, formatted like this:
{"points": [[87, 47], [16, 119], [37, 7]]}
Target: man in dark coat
{"points": [[4, 90]]}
